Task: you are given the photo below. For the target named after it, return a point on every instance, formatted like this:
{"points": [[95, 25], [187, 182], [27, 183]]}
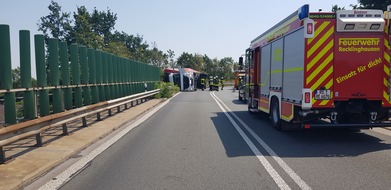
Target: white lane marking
{"points": [[70, 172], [269, 168], [302, 184]]}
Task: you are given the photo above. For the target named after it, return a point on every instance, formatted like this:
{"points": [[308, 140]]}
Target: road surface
{"points": [[208, 140]]}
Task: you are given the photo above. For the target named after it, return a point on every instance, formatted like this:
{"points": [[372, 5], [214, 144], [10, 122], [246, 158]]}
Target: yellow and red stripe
{"points": [[386, 80], [319, 58], [263, 104]]}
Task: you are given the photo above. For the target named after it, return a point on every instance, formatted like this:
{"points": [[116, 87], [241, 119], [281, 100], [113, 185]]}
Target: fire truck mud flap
{"points": [[251, 108]]}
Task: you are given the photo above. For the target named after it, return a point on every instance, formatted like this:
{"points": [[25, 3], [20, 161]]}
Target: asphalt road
{"points": [[208, 140]]}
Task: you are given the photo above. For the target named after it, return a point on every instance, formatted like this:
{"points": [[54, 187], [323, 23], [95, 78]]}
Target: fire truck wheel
{"points": [[275, 114], [240, 98]]}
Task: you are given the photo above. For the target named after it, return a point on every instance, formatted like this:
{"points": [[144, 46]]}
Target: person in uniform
{"points": [[222, 83], [202, 84], [211, 83]]}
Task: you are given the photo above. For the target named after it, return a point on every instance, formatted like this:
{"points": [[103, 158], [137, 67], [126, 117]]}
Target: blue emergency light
{"points": [[303, 12]]}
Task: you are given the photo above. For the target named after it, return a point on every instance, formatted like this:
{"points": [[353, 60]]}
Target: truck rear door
{"points": [[359, 55]]}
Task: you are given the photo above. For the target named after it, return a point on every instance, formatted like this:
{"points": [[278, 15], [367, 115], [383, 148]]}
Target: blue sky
{"points": [[216, 28]]}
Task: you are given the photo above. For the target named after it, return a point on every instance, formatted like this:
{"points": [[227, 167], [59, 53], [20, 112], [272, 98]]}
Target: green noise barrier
{"points": [[67, 77]]}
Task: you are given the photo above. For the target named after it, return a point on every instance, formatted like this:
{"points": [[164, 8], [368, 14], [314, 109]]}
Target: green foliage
{"points": [[374, 4], [57, 24], [96, 30], [167, 90], [19, 109], [16, 80], [187, 60], [336, 8], [156, 56], [171, 55], [82, 32], [103, 23], [215, 67], [366, 4]]}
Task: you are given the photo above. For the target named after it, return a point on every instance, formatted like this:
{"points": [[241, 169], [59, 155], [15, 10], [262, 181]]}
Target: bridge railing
{"points": [[67, 77], [72, 82], [35, 127]]}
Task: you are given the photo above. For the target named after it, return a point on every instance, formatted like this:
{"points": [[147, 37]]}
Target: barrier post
{"points": [[40, 64], [120, 70], [54, 75], [110, 75], [78, 97], [132, 78], [105, 74], [99, 73], [116, 77], [65, 77], [92, 75], [84, 75], [5, 75], [25, 74]]}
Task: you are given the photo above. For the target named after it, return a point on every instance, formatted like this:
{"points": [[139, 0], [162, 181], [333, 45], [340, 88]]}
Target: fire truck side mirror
{"points": [[309, 28], [240, 60]]}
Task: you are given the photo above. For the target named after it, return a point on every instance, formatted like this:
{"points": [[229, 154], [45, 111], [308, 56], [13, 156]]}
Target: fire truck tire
{"points": [[275, 114], [240, 98]]}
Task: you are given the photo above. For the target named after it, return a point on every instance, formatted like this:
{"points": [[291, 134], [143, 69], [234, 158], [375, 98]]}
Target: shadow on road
{"points": [[238, 102], [301, 143]]}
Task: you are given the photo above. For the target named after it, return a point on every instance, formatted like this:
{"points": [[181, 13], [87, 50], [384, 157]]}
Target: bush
{"points": [[167, 90]]}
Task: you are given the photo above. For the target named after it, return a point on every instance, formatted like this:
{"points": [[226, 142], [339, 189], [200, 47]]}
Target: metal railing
{"points": [[16, 132]]}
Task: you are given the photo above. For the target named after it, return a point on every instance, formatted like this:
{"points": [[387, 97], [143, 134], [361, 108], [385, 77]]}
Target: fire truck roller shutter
{"points": [[276, 64], [293, 73], [265, 70]]}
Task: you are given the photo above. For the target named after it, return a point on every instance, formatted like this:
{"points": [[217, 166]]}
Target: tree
{"points": [[57, 24], [185, 60], [188, 60], [16, 80], [82, 32], [335, 8], [103, 23], [171, 61], [96, 30], [374, 4], [117, 48], [156, 57], [198, 62], [209, 67], [135, 44], [225, 67]]}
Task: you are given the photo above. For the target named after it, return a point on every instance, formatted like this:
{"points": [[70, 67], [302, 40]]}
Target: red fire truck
{"points": [[322, 70], [239, 78]]}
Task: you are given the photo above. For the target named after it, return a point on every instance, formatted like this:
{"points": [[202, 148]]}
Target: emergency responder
{"points": [[222, 83], [211, 83], [216, 83], [202, 84]]}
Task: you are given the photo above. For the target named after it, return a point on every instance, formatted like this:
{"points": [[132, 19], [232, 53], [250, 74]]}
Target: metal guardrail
{"points": [[16, 132]]}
